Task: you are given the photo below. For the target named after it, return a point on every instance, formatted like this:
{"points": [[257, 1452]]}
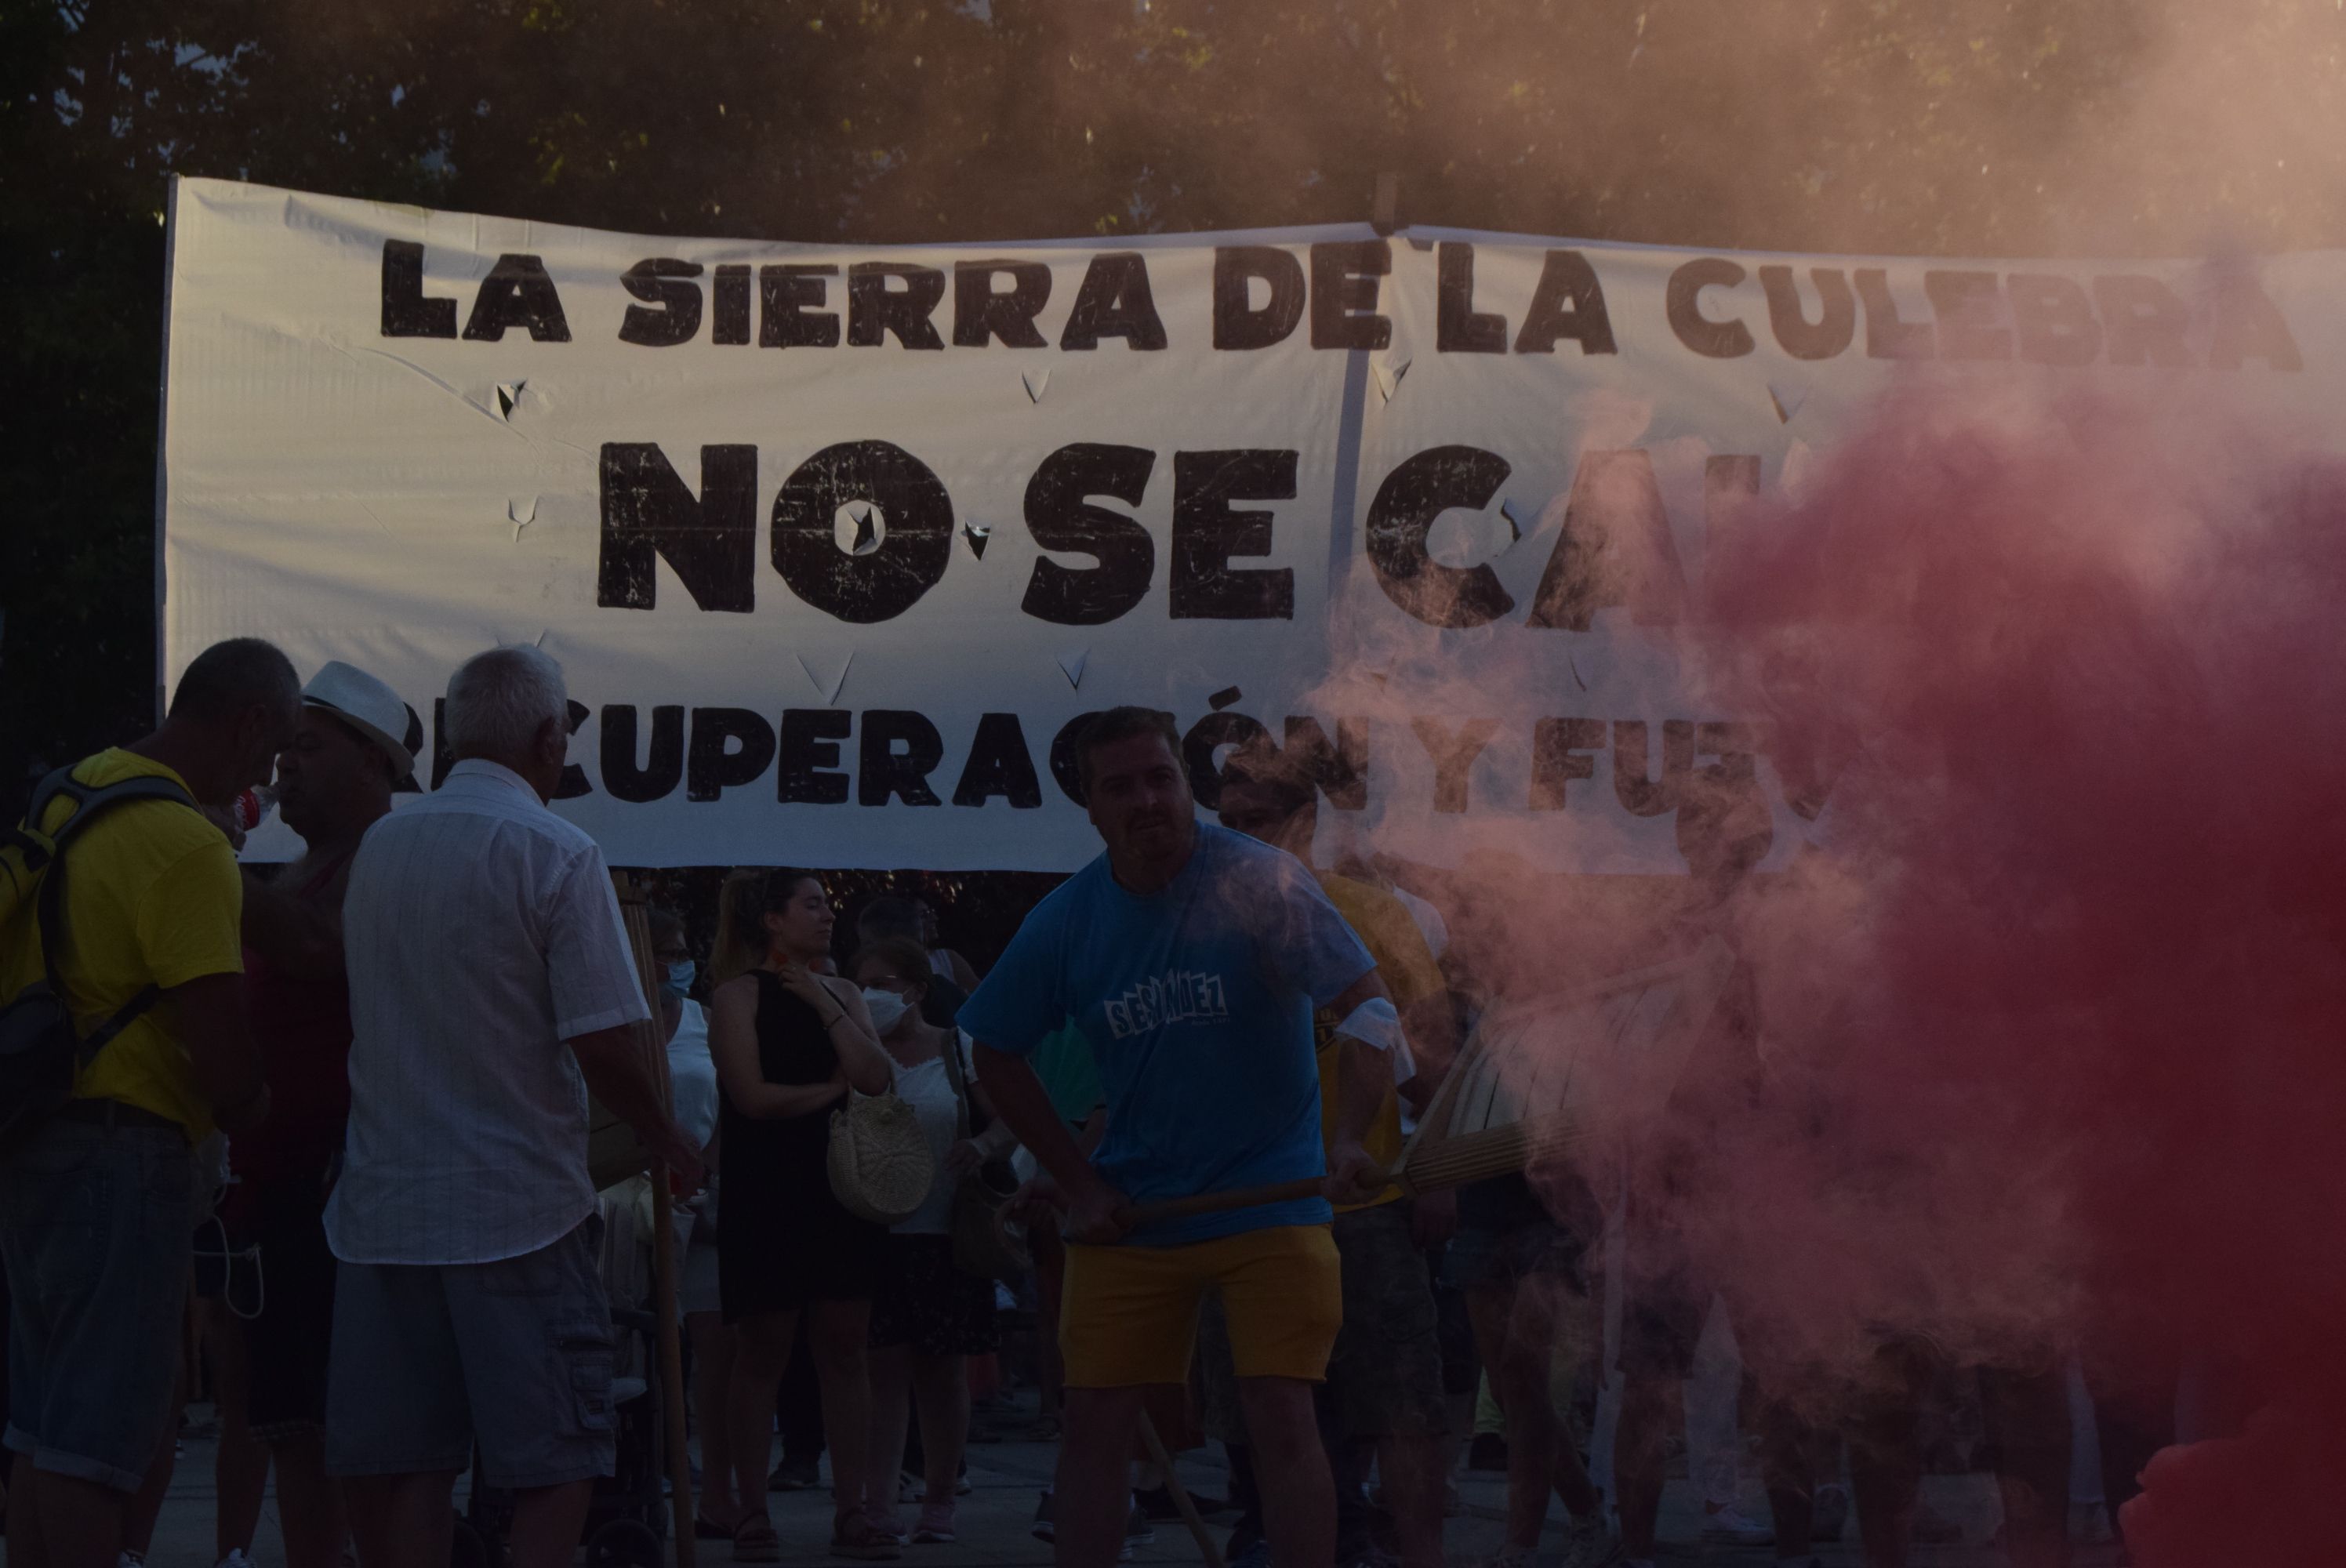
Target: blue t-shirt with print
{"points": [[1197, 999]]}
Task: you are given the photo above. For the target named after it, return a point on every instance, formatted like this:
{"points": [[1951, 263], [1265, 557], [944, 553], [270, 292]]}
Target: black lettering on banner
{"points": [[809, 756], [980, 312], [1640, 795], [1115, 301], [1058, 518], [1344, 274], [731, 325], [663, 762], [1562, 750], [1737, 748], [1963, 303], [1413, 494], [914, 548], [647, 511], [874, 310], [1887, 335], [1341, 770], [2250, 326], [790, 296], [1458, 327], [1616, 549], [407, 312], [1566, 302], [1207, 531], [1453, 753], [1237, 323], [1207, 736], [1835, 327], [731, 747], [999, 764], [883, 769], [2145, 322], [516, 293], [573, 783], [2053, 318], [661, 281], [1728, 339]]}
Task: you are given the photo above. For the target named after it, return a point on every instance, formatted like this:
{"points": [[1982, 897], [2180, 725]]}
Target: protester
{"points": [[888, 917], [150, 905], [335, 781], [1192, 958], [693, 1094], [492, 987], [1723, 832], [1384, 1389], [943, 960], [927, 1315], [790, 1043]]}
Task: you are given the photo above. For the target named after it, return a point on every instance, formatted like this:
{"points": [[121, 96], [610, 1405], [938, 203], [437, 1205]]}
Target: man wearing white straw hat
{"points": [[354, 747]]}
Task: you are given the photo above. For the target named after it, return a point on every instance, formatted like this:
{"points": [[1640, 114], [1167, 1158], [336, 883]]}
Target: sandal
{"points": [[852, 1536], [754, 1541], [707, 1529]]}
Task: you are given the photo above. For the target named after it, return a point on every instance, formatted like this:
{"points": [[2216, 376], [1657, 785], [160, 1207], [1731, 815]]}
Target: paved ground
{"points": [[993, 1520]]}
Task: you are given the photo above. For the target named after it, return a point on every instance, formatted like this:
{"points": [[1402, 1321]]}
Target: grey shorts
{"points": [[517, 1352], [94, 1235]]}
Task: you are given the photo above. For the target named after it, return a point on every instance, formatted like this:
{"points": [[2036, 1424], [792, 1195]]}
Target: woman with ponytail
{"points": [[790, 1043]]}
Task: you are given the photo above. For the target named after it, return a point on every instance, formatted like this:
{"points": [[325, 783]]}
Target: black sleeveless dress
{"points": [[782, 1239]]}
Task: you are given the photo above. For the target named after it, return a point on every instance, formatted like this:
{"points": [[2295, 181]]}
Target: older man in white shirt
{"points": [[491, 987]]}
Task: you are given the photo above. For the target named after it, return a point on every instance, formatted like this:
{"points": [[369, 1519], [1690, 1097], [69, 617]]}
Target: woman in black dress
{"points": [[789, 1042]]}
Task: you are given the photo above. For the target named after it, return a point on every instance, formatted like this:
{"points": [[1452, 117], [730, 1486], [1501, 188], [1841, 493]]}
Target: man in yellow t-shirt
{"points": [[94, 1204], [1384, 1378]]}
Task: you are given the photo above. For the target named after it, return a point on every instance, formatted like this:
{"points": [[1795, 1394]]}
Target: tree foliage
{"points": [[1985, 127]]}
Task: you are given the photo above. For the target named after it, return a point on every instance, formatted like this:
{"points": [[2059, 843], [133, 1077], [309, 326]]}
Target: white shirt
{"points": [[930, 1092], [692, 1075], [481, 932]]}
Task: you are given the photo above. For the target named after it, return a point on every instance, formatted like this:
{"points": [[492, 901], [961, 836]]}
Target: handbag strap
{"points": [[959, 1087]]}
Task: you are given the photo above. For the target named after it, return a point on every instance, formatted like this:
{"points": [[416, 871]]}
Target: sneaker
{"points": [[235, 1559], [795, 1475], [935, 1525], [1138, 1530], [1589, 1544], [1830, 1517], [1042, 1529], [908, 1487], [1730, 1526]]}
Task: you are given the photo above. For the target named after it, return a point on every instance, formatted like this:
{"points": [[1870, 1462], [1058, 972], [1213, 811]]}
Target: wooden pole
{"points": [[636, 910], [1189, 1516]]}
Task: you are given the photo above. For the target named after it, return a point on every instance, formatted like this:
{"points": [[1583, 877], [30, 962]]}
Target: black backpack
{"points": [[41, 1053]]}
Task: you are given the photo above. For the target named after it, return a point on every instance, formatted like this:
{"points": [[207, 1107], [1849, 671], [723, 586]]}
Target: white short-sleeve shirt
{"points": [[482, 933]]}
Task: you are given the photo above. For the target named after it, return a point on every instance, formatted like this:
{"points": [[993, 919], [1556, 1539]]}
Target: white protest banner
{"points": [[838, 543]]}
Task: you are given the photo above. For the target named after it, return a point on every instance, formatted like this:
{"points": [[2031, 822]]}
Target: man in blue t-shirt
{"points": [[1192, 959]]}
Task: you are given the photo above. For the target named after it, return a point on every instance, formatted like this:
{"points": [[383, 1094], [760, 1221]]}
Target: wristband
{"points": [[1374, 1023]]}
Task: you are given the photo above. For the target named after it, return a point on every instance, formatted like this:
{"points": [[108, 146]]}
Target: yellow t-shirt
{"points": [[152, 897], [1407, 966]]}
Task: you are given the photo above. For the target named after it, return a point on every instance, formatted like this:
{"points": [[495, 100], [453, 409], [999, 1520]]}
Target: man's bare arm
{"points": [[296, 937], [616, 1070]]}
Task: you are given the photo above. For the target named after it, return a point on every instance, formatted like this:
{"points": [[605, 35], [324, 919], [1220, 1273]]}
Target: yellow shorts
{"points": [[1129, 1316]]}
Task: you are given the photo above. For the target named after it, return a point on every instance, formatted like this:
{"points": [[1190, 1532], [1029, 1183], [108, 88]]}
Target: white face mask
{"points": [[887, 1008]]}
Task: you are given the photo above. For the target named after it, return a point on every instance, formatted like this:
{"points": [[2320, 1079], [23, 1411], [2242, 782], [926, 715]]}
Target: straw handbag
{"points": [[879, 1159]]}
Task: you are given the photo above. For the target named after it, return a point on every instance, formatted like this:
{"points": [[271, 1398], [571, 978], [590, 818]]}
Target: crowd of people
{"points": [[396, 1037]]}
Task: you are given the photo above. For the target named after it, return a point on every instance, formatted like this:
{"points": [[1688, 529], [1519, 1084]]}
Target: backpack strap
{"points": [[89, 804]]}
